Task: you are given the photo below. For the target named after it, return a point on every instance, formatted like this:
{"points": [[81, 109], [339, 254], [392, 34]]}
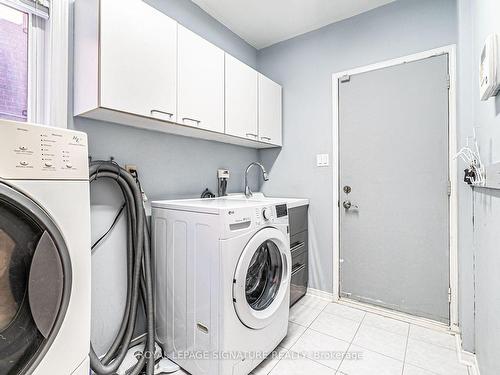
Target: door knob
{"points": [[348, 205]]}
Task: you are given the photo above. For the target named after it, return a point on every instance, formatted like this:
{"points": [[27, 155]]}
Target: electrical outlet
{"points": [[222, 173]]}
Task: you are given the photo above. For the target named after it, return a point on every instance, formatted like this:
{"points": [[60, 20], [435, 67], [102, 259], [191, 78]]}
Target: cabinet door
{"points": [[241, 99], [270, 109], [200, 82], [138, 62]]}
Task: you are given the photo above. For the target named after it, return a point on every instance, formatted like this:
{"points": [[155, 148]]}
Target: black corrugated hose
{"points": [[139, 279]]}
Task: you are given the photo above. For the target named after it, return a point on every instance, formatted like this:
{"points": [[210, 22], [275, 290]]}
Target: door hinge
{"points": [[449, 295], [448, 81], [449, 188], [345, 79]]}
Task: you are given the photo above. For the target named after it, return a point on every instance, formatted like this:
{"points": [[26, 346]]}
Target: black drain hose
{"points": [[139, 279]]}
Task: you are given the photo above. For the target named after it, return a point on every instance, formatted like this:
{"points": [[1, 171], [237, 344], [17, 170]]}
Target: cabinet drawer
{"points": [[298, 285], [298, 219], [299, 243], [299, 262]]}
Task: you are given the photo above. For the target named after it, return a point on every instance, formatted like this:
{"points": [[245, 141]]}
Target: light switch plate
{"points": [[322, 160]]}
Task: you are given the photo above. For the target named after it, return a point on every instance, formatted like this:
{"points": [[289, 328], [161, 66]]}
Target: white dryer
{"points": [[44, 251], [222, 274]]}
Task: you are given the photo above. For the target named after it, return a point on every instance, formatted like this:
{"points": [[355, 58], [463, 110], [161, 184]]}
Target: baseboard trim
{"points": [[467, 358], [320, 294]]}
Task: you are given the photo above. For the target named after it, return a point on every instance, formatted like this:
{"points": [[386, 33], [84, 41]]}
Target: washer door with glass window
{"points": [[262, 278], [35, 281]]}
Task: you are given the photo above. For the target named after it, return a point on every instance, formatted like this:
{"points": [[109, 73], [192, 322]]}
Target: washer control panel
{"points": [[251, 218], [37, 152], [267, 213]]}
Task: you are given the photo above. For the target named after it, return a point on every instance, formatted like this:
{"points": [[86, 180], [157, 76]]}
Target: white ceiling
{"points": [[265, 22]]}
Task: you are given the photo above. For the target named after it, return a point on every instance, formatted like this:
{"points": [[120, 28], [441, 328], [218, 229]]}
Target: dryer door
{"points": [[35, 282], [262, 278]]}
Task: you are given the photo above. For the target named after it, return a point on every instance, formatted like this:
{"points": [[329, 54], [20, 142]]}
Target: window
{"points": [[33, 75], [13, 63]]}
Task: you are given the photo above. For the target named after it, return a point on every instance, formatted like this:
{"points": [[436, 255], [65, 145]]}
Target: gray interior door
{"points": [[394, 231]]}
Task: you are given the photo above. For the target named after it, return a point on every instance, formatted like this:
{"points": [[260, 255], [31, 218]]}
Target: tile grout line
{"points": [[307, 326], [421, 340], [312, 329], [352, 340], [298, 338], [406, 349], [329, 335], [371, 326], [434, 344], [342, 316], [279, 360], [431, 345]]}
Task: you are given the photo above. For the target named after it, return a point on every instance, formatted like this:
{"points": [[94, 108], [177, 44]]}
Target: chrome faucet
{"points": [[248, 192]]}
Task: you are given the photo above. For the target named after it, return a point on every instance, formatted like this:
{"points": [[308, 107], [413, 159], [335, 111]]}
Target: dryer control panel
{"points": [[36, 152]]}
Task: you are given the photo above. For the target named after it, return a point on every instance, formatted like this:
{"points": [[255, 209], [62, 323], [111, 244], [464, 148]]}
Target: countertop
{"points": [[290, 202]]}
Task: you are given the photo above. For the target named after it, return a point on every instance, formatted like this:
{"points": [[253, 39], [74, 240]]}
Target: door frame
{"points": [[449, 50]]}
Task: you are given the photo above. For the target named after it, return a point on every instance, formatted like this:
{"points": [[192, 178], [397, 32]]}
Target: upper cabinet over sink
{"points": [[201, 82], [136, 66], [270, 111], [241, 99]]}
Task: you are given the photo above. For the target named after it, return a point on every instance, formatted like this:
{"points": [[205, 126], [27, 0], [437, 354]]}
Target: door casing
{"points": [[449, 50]]}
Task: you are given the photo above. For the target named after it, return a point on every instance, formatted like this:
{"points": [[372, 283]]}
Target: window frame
{"points": [[47, 58]]}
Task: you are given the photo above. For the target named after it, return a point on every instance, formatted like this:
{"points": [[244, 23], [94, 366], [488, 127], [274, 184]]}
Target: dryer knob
{"points": [[266, 213]]}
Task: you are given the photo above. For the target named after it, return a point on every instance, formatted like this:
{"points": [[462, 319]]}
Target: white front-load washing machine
{"points": [[44, 251], [222, 274]]}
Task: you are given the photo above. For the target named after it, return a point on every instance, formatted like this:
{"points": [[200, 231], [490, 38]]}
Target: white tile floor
{"points": [[328, 338]]}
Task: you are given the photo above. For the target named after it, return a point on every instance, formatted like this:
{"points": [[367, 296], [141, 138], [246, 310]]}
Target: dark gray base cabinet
{"points": [[299, 247]]}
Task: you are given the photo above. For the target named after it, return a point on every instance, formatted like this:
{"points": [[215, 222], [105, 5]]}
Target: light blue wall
{"points": [[479, 19], [304, 66], [169, 167]]}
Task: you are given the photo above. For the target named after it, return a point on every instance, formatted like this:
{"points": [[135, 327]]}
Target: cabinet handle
{"points": [[267, 138], [297, 268], [296, 246], [153, 111], [191, 119], [252, 135]]}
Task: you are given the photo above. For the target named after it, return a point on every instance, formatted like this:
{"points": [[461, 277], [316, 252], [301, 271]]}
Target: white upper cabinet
{"points": [[135, 66], [241, 99], [138, 59], [200, 82], [270, 111]]}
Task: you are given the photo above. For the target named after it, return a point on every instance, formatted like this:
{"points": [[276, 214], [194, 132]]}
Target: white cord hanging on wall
{"points": [[475, 172]]}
